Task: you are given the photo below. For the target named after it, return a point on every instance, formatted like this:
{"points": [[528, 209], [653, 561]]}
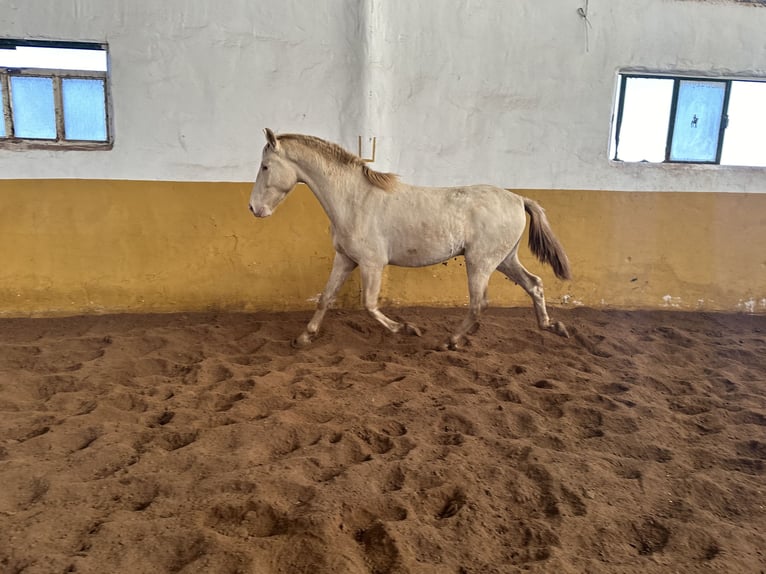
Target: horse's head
{"points": [[276, 177]]}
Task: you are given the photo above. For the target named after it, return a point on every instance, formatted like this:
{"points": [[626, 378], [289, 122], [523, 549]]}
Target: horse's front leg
{"points": [[342, 266], [371, 280]]}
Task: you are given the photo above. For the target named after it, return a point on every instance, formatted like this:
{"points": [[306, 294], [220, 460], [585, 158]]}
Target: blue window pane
{"points": [[2, 119], [84, 109], [32, 104], [697, 124]]}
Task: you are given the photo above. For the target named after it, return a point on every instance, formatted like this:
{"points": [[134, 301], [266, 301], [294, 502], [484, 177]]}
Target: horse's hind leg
{"points": [[478, 279], [371, 280], [341, 268], [533, 285]]}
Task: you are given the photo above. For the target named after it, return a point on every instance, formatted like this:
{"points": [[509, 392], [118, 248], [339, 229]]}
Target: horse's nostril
{"points": [[260, 212], [250, 207]]}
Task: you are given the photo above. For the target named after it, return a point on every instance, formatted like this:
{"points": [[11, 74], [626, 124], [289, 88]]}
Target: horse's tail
{"points": [[542, 241]]}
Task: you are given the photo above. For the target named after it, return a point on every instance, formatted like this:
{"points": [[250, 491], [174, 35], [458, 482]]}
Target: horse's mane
{"points": [[334, 152]]}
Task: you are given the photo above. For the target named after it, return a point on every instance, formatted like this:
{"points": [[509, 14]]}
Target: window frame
{"points": [[57, 75], [724, 120], [624, 75]]}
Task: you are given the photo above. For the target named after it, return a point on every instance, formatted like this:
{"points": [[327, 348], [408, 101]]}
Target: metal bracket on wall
{"points": [[367, 159]]}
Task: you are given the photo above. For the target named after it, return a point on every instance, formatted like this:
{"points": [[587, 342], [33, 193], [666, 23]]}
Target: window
{"points": [[54, 94], [689, 120]]}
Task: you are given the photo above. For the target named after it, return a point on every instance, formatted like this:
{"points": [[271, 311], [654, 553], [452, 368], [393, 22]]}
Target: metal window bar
{"points": [[620, 111], [672, 119], [58, 105], [7, 44], [6, 104], [724, 121]]}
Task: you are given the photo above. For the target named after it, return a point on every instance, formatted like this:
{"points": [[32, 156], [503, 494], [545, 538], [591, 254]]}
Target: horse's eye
{"points": [[265, 168]]}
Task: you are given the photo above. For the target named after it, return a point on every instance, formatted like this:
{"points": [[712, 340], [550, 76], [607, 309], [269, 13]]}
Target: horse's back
{"points": [[425, 225], [462, 197]]}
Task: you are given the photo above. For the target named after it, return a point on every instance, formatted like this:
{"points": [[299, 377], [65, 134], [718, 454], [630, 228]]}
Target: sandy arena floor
{"points": [[205, 443]]}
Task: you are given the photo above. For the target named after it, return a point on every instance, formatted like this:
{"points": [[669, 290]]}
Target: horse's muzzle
{"points": [[262, 211]]}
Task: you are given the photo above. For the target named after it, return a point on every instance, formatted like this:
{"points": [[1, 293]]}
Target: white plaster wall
{"points": [[455, 91], [194, 82]]}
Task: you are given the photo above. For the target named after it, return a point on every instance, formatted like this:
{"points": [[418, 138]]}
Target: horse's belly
{"points": [[425, 253]]}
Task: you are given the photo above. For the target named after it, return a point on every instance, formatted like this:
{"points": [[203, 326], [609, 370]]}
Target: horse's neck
{"points": [[337, 188]]}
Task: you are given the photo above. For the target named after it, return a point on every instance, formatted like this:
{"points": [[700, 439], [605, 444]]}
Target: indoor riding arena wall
{"points": [[519, 94], [75, 246]]}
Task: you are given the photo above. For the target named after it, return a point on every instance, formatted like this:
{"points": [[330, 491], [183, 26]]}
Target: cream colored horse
{"points": [[377, 220]]}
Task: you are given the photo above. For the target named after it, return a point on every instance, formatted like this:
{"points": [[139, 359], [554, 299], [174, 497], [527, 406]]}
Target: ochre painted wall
{"points": [[90, 246]]}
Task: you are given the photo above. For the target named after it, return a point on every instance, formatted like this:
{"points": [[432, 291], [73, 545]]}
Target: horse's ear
{"points": [[271, 138]]}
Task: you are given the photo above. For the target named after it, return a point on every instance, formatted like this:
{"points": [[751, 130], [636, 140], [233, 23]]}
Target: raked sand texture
{"points": [[205, 443]]}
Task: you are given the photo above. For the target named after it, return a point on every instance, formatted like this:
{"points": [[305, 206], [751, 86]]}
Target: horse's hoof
{"points": [[453, 344], [411, 329], [560, 329], [301, 341]]}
